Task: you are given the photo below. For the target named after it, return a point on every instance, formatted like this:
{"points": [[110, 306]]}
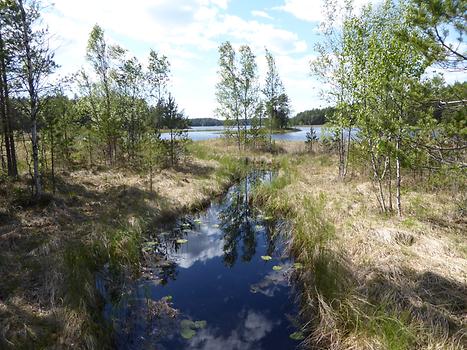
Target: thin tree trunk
{"points": [[9, 139], [52, 160], [398, 177], [35, 158], [2, 156], [171, 148], [377, 177], [390, 184], [33, 100], [346, 155]]}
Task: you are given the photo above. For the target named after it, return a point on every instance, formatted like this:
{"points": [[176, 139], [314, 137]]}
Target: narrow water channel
{"points": [[214, 280]]}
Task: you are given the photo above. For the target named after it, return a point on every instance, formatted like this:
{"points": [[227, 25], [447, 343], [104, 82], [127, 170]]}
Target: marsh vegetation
{"points": [[118, 231]]}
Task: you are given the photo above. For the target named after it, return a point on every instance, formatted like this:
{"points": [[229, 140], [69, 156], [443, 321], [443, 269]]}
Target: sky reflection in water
{"points": [[218, 277]]}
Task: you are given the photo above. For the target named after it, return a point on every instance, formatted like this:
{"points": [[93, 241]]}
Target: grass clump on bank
{"points": [[369, 281]]}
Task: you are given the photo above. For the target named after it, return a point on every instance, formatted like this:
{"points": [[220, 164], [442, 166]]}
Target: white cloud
{"points": [[304, 9], [313, 10], [187, 31], [261, 14]]}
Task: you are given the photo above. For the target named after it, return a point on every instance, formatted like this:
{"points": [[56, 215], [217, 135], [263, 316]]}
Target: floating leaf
{"points": [[266, 257], [277, 268], [298, 266], [187, 324], [200, 324], [197, 221], [182, 241], [185, 225], [297, 336], [258, 227], [167, 298], [187, 333], [268, 218]]}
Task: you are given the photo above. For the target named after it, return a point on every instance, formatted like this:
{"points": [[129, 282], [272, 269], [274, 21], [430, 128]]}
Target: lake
{"points": [[219, 280], [201, 133]]}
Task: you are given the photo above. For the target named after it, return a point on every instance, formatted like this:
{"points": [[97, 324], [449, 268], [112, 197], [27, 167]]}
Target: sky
{"points": [[189, 33]]}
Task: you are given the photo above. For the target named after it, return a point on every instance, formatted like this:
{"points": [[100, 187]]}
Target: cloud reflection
{"points": [[253, 328], [201, 247]]}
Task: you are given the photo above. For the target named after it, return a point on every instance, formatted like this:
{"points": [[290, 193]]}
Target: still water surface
{"points": [[227, 295], [201, 133]]}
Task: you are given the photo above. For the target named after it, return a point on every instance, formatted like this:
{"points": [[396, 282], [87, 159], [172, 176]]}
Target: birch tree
{"points": [[36, 64]]}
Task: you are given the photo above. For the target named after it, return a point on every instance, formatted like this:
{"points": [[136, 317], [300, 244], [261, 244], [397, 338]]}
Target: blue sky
{"points": [[189, 33]]}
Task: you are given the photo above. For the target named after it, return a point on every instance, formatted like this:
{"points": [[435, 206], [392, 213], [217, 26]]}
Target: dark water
{"points": [[227, 296]]}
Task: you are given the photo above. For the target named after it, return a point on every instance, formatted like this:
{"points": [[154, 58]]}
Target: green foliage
{"points": [[316, 116], [443, 27], [311, 137], [276, 100]]}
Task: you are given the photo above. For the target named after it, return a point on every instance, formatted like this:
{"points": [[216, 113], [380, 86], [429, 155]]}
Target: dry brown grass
{"points": [[48, 250], [415, 265]]}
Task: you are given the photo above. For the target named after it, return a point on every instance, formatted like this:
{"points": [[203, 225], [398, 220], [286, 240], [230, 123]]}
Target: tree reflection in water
{"points": [[239, 220]]}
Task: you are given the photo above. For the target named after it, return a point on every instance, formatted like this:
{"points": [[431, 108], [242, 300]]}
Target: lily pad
{"points": [[297, 336], [266, 257], [187, 333], [187, 328], [200, 324], [298, 266], [277, 268], [182, 241], [187, 324]]}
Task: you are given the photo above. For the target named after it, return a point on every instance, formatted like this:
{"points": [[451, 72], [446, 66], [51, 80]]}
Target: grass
{"points": [[371, 281], [51, 252]]}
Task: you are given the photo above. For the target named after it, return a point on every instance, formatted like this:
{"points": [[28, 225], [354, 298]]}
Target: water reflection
{"points": [[208, 269], [254, 327]]}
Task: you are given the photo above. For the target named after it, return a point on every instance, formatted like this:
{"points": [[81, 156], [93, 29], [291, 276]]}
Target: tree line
{"points": [[115, 116], [242, 102], [315, 116], [376, 63]]}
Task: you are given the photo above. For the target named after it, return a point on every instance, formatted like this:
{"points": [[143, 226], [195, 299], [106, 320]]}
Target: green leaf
{"points": [[277, 268], [200, 324], [182, 241], [187, 333], [266, 257], [197, 221], [298, 266], [187, 324], [297, 336]]}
